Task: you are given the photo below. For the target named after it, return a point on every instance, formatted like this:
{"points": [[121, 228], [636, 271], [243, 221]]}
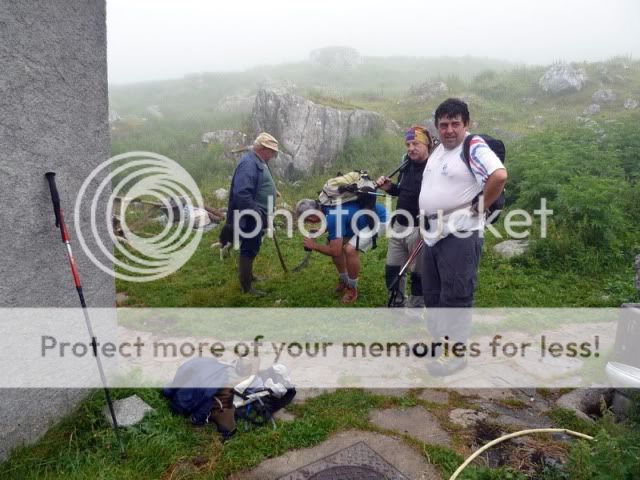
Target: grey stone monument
{"points": [[53, 117]]}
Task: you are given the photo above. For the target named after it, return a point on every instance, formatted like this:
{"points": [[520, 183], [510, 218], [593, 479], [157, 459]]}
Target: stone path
{"points": [[393, 453], [461, 417]]}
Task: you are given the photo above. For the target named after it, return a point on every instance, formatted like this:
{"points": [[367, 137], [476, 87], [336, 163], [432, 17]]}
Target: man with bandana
{"points": [[404, 223]]}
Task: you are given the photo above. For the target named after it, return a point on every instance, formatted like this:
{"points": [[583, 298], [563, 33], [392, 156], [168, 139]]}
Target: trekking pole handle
{"points": [[55, 197]]}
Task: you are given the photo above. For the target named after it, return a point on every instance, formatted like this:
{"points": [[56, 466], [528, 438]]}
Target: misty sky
{"points": [[158, 39]]}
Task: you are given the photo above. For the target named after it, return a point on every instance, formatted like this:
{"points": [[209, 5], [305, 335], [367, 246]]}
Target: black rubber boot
{"points": [[245, 270]]}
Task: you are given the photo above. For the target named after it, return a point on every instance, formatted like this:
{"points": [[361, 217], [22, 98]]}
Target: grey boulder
{"points": [[310, 135], [562, 78]]}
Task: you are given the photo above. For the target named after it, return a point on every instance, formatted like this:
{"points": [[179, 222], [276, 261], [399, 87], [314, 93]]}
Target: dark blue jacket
{"points": [[245, 184], [196, 383]]}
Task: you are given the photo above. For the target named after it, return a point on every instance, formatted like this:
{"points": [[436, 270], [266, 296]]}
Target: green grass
{"points": [[553, 274], [167, 446]]}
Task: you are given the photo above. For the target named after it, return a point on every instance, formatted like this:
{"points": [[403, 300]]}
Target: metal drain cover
{"points": [[357, 462], [348, 473]]}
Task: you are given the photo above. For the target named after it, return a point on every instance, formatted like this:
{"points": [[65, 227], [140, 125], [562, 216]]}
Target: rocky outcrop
{"points": [[562, 78], [630, 104], [310, 135], [335, 57]]}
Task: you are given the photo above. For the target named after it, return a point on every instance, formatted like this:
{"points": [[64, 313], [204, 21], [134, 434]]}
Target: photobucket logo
{"points": [[135, 175]]}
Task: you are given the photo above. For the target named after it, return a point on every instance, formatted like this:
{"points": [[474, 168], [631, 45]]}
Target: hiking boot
{"points": [[446, 365], [341, 287], [350, 295]]}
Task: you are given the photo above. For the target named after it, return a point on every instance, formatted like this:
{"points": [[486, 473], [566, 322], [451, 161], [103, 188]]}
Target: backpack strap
{"points": [[466, 152]]}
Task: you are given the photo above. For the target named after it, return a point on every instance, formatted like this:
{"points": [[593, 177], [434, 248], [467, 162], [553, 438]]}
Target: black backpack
{"points": [[499, 149]]}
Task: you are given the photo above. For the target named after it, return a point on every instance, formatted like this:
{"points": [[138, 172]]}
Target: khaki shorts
{"points": [[399, 249]]}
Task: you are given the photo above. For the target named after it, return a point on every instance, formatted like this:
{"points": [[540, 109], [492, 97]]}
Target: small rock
{"points": [[466, 417], [154, 110], [415, 421], [129, 411], [604, 96], [511, 248], [529, 101], [121, 298], [592, 109], [630, 104], [221, 194]]}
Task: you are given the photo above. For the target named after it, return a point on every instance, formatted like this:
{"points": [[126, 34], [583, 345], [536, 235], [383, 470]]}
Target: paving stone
{"points": [[415, 421], [485, 393], [129, 411], [435, 396], [336, 452], [466, 417], [517, 417]]}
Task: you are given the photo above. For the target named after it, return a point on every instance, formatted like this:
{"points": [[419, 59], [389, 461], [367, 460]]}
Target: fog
{"points": [[160, 39]]}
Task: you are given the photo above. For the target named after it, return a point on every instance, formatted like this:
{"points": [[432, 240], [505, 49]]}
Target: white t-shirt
{"points": [[448, 185]]}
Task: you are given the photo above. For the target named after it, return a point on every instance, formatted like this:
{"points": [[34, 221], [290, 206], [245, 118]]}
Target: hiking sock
{"points": [[344, 277], [352, 282]]}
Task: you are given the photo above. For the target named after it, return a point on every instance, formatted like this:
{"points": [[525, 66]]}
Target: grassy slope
{"points": [[164, 446]]}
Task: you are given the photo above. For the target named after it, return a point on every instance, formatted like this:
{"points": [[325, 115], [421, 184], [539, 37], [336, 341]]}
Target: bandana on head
{"points": [[417, 134]]}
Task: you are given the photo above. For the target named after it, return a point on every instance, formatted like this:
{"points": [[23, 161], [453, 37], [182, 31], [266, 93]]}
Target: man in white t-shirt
{"points": [[449, 198]]}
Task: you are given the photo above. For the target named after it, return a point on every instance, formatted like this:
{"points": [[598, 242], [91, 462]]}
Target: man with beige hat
{"points": [[253, 194]]}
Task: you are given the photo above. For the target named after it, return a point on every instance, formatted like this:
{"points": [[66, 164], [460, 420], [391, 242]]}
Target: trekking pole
{"points": [[55, 199], [275, 242], [402, 165], [394, 286]]}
